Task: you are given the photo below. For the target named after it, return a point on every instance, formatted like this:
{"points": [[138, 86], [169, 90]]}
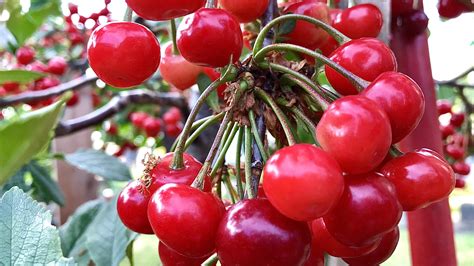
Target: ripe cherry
{"points": [[173, 130], [213, 75], [447, 130], [169, 257], [185, 219], [367, 210], [451, 8], [460, 183], [461, 168], [132, 207], [152, 126], [187, 74], [25, 55], [245, 10], [365, 57], [123, 54], [367, 17], [299, 188], [455, 151], [356, 132], [57, 65], [395, 91], [401, 7], [73, 8], [256, 227], [414, 23], [74, 99], [444, 106], [164, 9], [420, 178], [210, 37], [172, 116], [384, 250], [11, 87], [138, 118], [111, 129], [457, 119]]}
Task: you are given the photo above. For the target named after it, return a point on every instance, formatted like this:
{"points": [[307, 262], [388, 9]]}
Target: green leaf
{"points": [[108, 239], [23, 137], [99, 163], [26, 234], [20, 76], [45, 184], [17, 180], [12, 5], [203, 81]]}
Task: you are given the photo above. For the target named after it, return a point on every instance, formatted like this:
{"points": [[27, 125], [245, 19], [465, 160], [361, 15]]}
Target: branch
{"points": [[48, 93], [450, 81], [117, 104], [268, 16]]}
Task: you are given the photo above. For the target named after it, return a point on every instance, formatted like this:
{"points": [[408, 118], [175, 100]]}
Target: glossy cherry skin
{"points": [[169, 257], [367, 210], [152, 127], [57, 65], [245, 10], [384, 250], [299, 188], [451, 8], [454, 151], [367, 17], [74, 100], [304, 33], [138, 118], [365, 57], [457, 119], [395, 91], [172, 116], [25, 55], [164, 9], [356, 132], [263, 236], [316, 258], [123, 54], [420, 177], [177, 71], [327, 243], [447, 130], [460, 183], [185, 219], [444, 106], [461, 168], [162, 173], [11, 87], [414, 23], [132, 205], [210, 37], [214, 75], [173, 130], [401, 7]]}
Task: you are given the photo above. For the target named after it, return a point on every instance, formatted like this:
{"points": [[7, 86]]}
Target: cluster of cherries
{"points": [[152, 126], [452, 8], [455, 146]]}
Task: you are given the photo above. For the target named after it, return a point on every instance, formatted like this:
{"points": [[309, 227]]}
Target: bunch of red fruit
{"points": [[152, 126], [455, 146]]}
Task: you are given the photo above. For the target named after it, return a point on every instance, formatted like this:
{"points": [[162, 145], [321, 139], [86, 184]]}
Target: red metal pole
{"points": [[431, 229]]}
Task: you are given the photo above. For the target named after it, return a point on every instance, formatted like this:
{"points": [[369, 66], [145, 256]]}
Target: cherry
{"points": [[299, 188], [123, 54], [455, 151], [457, 119], [414, 23], [304, 33], [25, 55], [460, 183], [447, 131], [384, 250], [164, 9], [152, 127], [210, 37], [46, 83], [185, 219], [401, 7], [451, 8], [420, 177], [172, 116], [162, 173], [327, 243], [173, 130], [245, 10], [356, 132], [111, 129], [11, 87], [57, 65], [213, 76], [395, 91], [138, 118], [37, 66], [187, 74], [3, 92], [263, 236], [74, 99], [367, 210], [73, 8], [365, 57], [316, 257], [169, 257], [132, 206], [367, 17], [461, 168], [444, 106]]}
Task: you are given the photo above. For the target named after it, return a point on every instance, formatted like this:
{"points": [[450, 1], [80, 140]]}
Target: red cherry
{"points": [[245, 10], [164, 9], [461, 168], [356, 132], [451, 8], [460, 183], [185, 219], [104, 12], [11, 87], [138, 118], [447, 131], [172, 116], [123, 54], [37, 66], [187, 74], [420, 178], [299, 188], [74, 99], [457, 119], [132, 206], [3, 92], [365, 57], [73, 9], [304, 33], [395, 91], [444, 106], [401, 7], [76, 38], [162, 173], [327, 243], [359, 21], [46, 83], [414, 23], [264, 236], [455, 151], [213, 75], [173, 130], [152, 127], [111, 129], [384, 250], [368, 209], [25, 55], [169, 257], [210, 37]]}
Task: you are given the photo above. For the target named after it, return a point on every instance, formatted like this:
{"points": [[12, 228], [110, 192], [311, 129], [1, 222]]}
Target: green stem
{"points": [[224, 149], [315, 97], [173, 36], [228, 184], [238, 154], [128, 14], [211, 260], [248, 163], [340, 38], [395, 152], [211, 4], [299, 114], [195, 125], [201, 129], [256, 136], [280, 115]]}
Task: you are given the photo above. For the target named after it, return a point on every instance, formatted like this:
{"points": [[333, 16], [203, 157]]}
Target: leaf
{"points": [[12, 5], [26, 234], [287, 27], [99, 163], [24, 137], [203, 81], [20, 76], [108, 239], [43, 182], [17, 180]]}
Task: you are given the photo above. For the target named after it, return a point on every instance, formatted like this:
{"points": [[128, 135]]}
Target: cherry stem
{"points": [[332, 3], [211, 260], [201, 129], [299, 114], [211, 4], [195, 126], [128, 15], [173, 36], [359, 83], [230, 188], [248, 163], [321, 101], [231, 132], [238, 154], [256, 136], [395, 152], [340, 38], [279, 113]]}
